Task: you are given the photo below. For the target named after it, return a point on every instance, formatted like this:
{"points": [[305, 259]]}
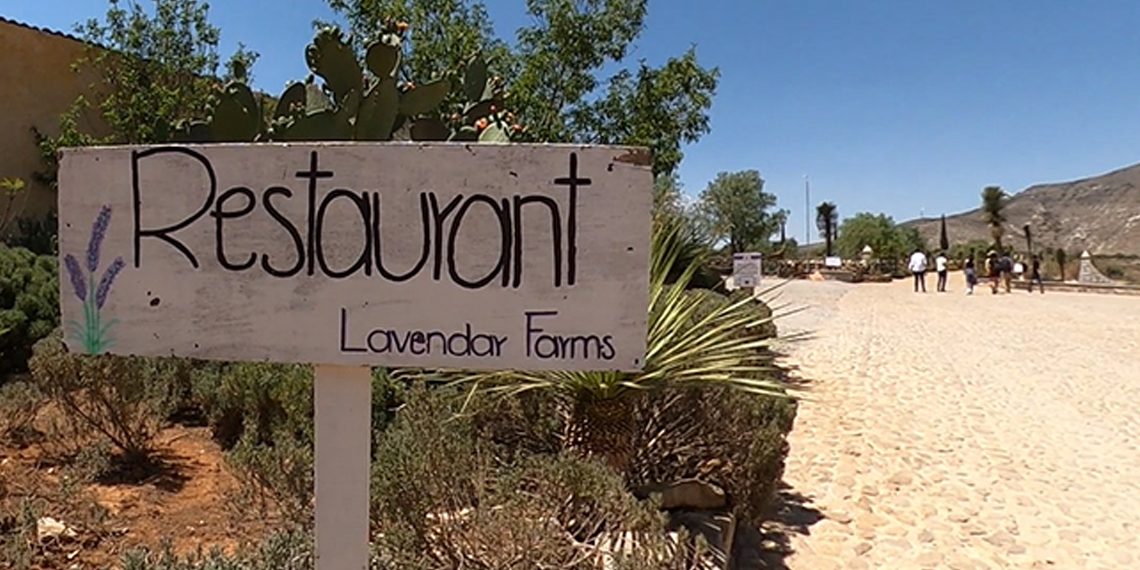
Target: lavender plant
{"points": [[93, 334]]}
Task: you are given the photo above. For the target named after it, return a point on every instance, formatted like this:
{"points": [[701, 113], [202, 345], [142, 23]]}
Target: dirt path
{"points": [[948, 431]]}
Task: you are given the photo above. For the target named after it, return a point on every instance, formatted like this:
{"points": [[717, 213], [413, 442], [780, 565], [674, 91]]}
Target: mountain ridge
{"points": [[1099, 213]]}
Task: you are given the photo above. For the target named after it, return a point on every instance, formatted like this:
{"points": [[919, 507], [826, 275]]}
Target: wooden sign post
{"points": [[349, 255]]}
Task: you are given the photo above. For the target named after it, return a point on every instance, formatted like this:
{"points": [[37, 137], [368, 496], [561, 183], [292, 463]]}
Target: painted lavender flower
{"points": [[105, 283], [76, 274], [93, 334], [98, 231]]}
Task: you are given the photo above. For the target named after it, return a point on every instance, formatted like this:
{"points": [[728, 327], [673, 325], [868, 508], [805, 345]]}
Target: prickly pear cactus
{"points": [[366, 102]]}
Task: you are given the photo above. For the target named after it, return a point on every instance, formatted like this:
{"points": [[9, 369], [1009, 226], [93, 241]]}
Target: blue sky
{"points": [[898, 106]]}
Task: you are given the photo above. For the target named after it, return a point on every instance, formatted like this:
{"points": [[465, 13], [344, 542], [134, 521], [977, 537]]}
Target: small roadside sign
{"points": [[746, 269]]}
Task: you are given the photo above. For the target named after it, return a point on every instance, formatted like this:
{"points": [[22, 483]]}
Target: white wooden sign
{"points": [[833, 261], [414, 255], [746, 268]]}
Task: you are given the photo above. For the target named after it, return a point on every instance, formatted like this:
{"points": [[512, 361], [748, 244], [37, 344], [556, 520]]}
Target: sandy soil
{"points": [[191, 502], [954, 431]]}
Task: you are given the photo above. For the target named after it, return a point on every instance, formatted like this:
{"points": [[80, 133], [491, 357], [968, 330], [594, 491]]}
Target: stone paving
{"points": [[954, 431]]}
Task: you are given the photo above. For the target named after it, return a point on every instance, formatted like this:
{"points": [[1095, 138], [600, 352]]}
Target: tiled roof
{"points": [[41, 30]]}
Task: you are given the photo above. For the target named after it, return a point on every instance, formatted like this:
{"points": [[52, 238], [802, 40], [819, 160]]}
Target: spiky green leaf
{"points": [[429, 129], [382, 59], [494, 134], [237, 115], [330, 57], [425, 98], [292, 98], [378, 110], [316, 99], [475, 78], [465, 134]]}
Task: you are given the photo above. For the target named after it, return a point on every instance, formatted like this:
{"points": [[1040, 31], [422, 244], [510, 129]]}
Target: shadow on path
{"points": [[769, 546]]}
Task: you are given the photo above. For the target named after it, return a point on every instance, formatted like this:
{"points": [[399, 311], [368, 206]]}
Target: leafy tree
{"points": [[908, 239], [240, 65], [157, 68], [560, 54], [694, 239], [154, 69], [827, 221], [888, 240], [735, 207], [659, 108], [558, 88], [994, 200], [1061, 258], [972, 248], [943, 239], [667, 197], [445, 34]]}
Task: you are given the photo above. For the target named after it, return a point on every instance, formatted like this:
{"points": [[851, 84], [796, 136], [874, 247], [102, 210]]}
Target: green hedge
{"points": [[29, 304]]}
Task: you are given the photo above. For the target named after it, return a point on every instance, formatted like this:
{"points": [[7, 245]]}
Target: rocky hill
{"points": [[1100, 214]]}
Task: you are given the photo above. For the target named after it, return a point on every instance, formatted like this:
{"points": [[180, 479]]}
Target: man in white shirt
{"points": [[940, 265], [918, 268]]}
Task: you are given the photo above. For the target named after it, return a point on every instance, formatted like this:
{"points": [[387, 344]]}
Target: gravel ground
{"points": [[954, 431]]}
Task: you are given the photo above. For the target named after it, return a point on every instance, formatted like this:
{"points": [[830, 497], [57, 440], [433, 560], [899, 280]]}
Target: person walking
{"points": [[992, 271], [1006, 264], [918, 268], [1035, 275], [971, 275], [940, 263]]}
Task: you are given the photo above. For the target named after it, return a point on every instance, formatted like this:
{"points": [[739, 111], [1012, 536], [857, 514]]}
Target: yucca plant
{"points": [[688, 345]]}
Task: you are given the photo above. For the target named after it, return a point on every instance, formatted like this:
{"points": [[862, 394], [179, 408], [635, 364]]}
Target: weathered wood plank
{"points": [[442, 255]]}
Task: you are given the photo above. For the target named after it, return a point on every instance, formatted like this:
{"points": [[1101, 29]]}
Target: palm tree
{"points": [[690, 343], [994, 200], [1028, 239], [827, 220]]}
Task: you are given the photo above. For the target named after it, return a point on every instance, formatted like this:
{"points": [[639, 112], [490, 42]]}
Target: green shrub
{"points": [[263, 414], [19, 404], [387, 397], [39, 235], [442, 499], [172, 386], [29, 304], [519, 424], [277, 476], [425, 461], [281, 551], [731, 438], [109, 398], [256, 402]]}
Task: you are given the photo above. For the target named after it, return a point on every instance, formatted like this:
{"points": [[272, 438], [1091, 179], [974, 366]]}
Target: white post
{"points": [[343, 410]]}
